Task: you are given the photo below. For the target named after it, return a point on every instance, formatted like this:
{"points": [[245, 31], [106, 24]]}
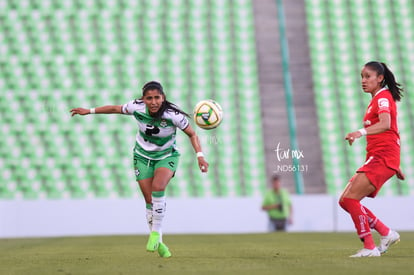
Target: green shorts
{"points": [[144, 168]]}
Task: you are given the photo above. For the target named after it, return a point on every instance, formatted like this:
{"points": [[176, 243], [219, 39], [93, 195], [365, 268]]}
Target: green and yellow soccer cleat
{"points": [[163, 250], [153, 241]]}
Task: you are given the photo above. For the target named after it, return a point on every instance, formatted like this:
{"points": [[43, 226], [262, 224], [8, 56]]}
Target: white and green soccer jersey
{"points": [[155, 138]]}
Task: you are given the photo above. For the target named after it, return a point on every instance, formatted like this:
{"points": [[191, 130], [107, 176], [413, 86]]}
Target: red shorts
{"points": [[377, 172]]}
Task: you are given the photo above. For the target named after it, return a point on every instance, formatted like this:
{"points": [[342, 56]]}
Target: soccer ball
{"points": [[208, 114]]}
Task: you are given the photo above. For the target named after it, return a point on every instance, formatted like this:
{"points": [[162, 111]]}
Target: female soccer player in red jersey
{"points": [[382, 159], [155, 153]]}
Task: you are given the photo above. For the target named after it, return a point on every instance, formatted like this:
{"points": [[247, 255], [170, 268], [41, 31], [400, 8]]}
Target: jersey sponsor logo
{"points": [[137, 172], [163, 123], [171, 164], [383, 103], [184, 122], [152, 130]]}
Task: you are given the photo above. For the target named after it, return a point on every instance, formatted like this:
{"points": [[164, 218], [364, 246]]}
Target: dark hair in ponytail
{"points": [[166, 105], [389, 79]]}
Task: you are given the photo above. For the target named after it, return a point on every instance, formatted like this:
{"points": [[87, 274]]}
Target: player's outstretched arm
{"points": [[195, 142], [108, 109]]}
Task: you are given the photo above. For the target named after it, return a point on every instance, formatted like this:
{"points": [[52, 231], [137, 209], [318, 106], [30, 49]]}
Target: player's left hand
{"points": [[202, 164], [351, 137], [80, 111], [400, 174]]}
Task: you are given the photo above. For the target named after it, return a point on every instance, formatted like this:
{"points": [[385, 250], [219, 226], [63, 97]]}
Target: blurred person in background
{"points": [[382, 158], [278, 205]]}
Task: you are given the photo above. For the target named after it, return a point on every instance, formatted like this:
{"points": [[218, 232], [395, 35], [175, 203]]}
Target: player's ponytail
{"points": [[394, 87], [166, 105], [389, 79]]}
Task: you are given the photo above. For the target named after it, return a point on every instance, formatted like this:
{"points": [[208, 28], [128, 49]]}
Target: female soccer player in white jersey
{"points": [[382, 159], [155, 153]]}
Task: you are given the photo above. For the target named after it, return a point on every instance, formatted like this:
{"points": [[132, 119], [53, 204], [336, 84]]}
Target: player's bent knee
{"points": [[343, 204]]}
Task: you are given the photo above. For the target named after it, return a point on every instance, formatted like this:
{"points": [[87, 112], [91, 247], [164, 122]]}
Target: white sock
{"points": [[149, 221], [158, 212], [148, 214]]}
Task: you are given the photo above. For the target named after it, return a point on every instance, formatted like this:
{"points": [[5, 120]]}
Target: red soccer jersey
{"points": [[385, 144]]}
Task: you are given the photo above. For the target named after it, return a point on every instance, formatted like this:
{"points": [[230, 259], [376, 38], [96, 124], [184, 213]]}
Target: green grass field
{"points": [[273, 253]]}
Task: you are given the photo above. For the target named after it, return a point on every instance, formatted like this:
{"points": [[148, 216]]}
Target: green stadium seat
{"points": [[56, 55]]}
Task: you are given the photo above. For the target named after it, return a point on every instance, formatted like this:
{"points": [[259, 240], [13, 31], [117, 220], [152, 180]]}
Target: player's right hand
{"points": [[80, 111], [351, 137], [202, 164]]}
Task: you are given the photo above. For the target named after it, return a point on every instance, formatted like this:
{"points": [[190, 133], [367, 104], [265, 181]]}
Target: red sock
{"points": [[375, 223], [360, 219]]}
